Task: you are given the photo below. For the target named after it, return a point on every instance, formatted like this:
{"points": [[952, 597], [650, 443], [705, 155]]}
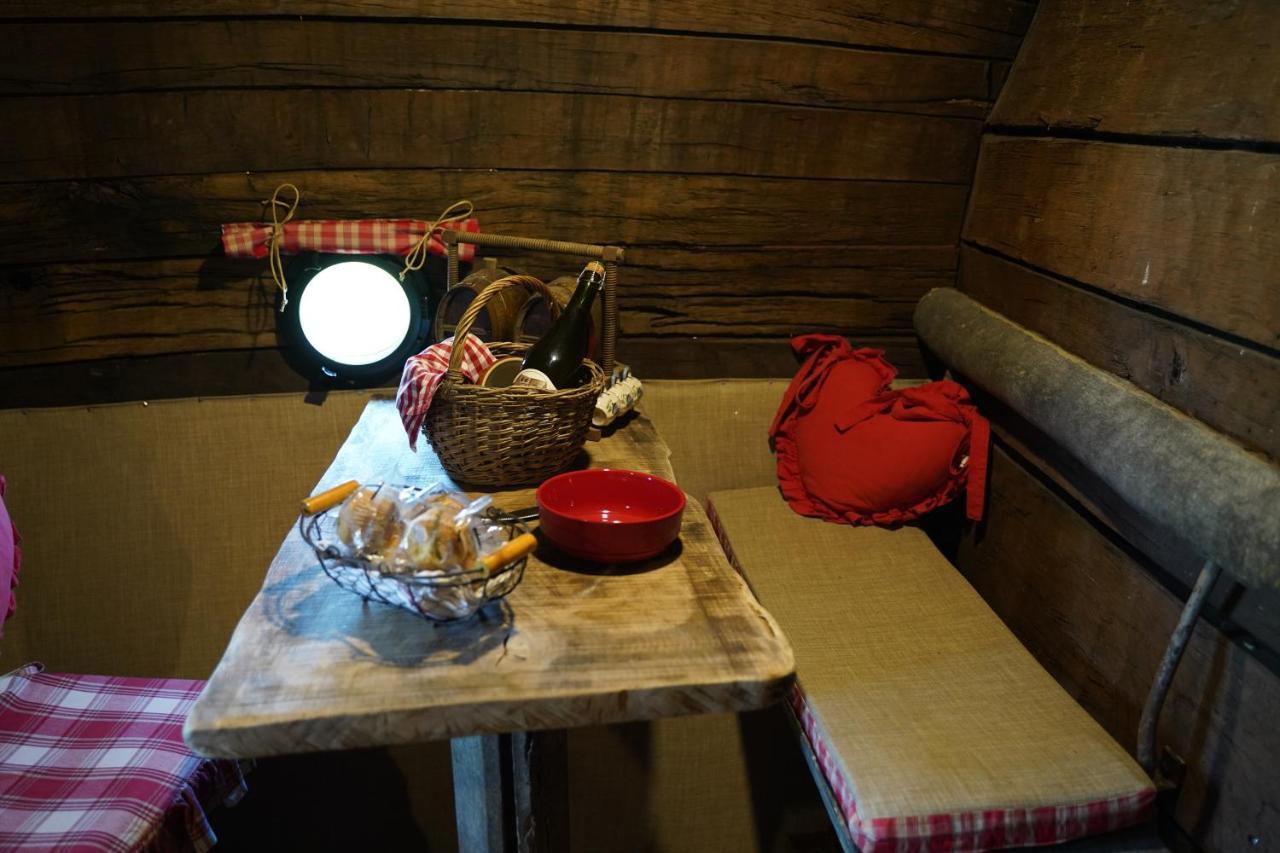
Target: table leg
{"points": [[540, 790], [481, 801]]}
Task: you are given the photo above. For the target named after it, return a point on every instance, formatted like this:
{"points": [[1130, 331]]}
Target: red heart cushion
{"points": [[849, 449], [833, 377], [883, 469]]}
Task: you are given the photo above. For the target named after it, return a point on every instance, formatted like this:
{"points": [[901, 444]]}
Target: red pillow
{"points": [[851, 449], [10, 557], [858, 374]]}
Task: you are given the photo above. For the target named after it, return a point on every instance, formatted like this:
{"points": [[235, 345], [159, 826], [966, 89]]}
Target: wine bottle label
{"points": [[530, 378]]}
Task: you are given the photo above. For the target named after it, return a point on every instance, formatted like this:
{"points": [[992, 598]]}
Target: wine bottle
{"points": [[552, 362]]}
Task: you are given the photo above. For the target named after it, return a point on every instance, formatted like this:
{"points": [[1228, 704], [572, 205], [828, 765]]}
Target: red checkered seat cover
{"points": [[94, 763]]}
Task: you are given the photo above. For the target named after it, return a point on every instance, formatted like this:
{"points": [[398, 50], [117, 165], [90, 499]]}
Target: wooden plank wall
{"points": [[772, 170], [1125, 207]]}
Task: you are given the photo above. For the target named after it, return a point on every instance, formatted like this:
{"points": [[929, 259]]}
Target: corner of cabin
{"points": [[1097, 179]]}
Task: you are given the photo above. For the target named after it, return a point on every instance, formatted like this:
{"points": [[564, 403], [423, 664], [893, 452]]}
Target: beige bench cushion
{"points": [[717, 429], [931, 715], [147, 529]]}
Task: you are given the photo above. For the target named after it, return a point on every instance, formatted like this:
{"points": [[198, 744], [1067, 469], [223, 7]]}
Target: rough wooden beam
{"points": [[1179, 472], [944, 26], [226, 130], [116, 56]]}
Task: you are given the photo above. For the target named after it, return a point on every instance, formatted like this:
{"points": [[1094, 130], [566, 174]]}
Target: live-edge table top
{"points": [[313, 667]]}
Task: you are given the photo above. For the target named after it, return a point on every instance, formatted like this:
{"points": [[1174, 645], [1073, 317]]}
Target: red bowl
{"points": [[610, 515]]}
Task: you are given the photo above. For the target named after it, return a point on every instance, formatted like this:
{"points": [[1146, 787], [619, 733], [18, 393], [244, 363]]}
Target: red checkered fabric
{"points": [[991, 829], [93, 763], [423, 373], [341, 236]]}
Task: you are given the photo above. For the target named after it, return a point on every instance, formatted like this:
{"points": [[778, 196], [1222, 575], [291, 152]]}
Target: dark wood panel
{"points": [[882, 273], [707, 357], [76, 312], [1099, 622], [212, 131], [997, 75], [1188, 231], [1185, 68], [181, 216], [981, 27], [735, 314], [1233, 389], [130, 56], [265, 371]]}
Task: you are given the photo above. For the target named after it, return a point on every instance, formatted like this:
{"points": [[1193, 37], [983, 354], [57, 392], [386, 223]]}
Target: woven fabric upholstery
{"points": [[935, 728], [146, 529], [92, 763], [717, 430]]}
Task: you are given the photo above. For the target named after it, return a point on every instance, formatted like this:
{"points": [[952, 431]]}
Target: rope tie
{"points": [[417, 256], [277, 236]]}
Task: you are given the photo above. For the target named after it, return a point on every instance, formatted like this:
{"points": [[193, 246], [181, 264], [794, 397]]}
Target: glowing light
{"points": [[354, 313]]}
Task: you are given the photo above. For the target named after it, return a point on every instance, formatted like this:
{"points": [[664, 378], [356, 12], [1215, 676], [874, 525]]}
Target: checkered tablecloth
{"points": [[341, 236], [423, 374], [98, 763]]}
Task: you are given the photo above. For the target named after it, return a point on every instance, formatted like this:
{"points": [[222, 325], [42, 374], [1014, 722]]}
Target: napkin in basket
{"points": [[423, 373]]}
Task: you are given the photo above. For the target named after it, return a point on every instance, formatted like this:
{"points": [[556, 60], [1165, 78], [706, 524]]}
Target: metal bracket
{"points": [[1169, 665]]}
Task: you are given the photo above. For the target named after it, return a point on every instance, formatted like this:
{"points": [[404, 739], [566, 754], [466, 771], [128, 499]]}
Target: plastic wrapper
{"points": [[420, 549], [417, 531]]}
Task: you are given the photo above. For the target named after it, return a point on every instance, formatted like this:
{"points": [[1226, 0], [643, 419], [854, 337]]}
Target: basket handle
{"points": [[611, 256], [463, 328]]}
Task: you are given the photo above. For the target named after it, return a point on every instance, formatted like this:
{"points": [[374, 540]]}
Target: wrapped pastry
{"points": [[444, 533], [369, 521], [415, 503], [356, 512], [438, 540]]}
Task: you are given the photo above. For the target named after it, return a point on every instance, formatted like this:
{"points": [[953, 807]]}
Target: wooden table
{"points": [[313, 667]]}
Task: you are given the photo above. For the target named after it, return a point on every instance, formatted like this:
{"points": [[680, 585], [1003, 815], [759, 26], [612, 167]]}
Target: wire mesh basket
{"points": [[443, 596]]}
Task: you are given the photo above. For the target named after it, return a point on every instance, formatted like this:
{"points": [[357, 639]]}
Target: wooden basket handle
{"points": [[612, 257], [463, 328]]}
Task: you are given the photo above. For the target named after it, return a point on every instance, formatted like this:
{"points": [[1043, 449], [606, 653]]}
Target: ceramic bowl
{"points": [[610, 515]]}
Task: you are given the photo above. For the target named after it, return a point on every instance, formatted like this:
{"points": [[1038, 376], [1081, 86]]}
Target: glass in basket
{"points": [[387, 575]]}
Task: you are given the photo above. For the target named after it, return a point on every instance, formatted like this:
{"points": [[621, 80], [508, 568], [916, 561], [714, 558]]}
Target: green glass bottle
{"points": [[552, 362]]}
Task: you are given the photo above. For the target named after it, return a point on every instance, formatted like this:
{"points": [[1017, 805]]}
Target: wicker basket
{"points": [[499, 437]]}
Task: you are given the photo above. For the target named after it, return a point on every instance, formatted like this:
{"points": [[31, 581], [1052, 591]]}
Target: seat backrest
{"points": [[1175, 470], [148, 528], [717, 429]]}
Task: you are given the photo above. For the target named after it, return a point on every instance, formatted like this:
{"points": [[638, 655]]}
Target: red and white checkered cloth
{"points": [[341, 236], [989, 829], [422, 375], [93, 763]]}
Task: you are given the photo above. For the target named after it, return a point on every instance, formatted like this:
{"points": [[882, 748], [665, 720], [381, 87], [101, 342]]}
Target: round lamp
{"points": [[350, 317]]}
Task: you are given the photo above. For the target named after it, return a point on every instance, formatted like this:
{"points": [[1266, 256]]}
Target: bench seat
{"points": [[934, 728], [90, 762]]}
